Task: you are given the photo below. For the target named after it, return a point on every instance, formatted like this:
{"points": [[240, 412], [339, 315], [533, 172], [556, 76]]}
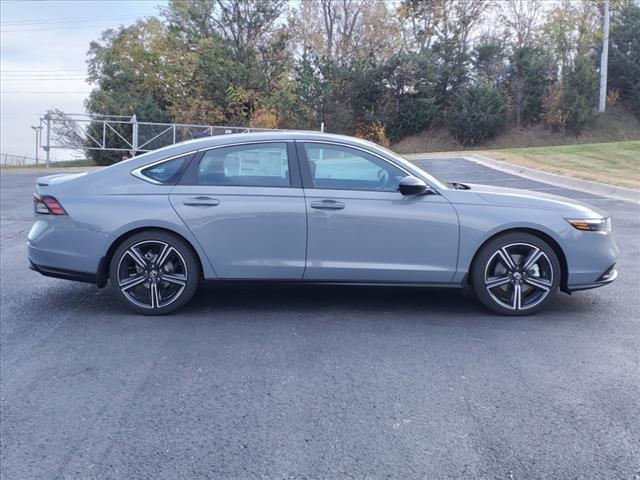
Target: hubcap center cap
{"points": [[517, 276]]}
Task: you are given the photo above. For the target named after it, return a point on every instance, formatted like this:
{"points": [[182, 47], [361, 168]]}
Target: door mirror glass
{"points": [[411, 185]]}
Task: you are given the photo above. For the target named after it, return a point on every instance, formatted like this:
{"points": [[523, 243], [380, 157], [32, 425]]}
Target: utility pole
{"points": [[47, 149], [604, 59], [38, 131]]}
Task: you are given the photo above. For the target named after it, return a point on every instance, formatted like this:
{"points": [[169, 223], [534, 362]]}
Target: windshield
{"points": [[411, 166]]}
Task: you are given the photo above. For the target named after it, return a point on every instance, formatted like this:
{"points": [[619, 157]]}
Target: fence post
{"points": [[134, 139]]}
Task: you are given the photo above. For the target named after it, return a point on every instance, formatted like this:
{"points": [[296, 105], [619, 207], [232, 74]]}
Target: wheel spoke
{"points": [[516, 302], [139, 259], [533, 257], [538, 283], [155, 295], [176, 279], [506, 259], [162, 258], [493, 282], [131, 282]]}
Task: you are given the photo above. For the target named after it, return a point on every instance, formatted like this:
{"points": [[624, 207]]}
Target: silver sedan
{"points": [[313, 208]]}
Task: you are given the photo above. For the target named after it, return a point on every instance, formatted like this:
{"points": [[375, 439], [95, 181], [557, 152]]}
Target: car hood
{"points": [[530, 199]]}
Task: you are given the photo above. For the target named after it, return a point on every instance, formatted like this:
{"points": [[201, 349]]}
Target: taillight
{"points": [[47, 204]]}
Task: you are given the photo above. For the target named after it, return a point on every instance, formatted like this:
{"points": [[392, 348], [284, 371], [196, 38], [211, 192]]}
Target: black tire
{"points": [[154, 272], [497, 280]]}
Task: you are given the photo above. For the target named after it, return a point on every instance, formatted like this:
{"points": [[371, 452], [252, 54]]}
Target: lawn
{"points": [[613, 163]]}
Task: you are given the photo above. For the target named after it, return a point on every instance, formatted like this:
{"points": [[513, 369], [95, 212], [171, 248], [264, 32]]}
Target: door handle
{"points": [[327, 205], [201, 201]]}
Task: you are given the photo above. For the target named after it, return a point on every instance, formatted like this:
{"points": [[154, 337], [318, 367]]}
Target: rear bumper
{"points": [[64, 274]]}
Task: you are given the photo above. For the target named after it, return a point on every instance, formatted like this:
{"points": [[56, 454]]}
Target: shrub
{"points": [[413, 115], [478, 114]]}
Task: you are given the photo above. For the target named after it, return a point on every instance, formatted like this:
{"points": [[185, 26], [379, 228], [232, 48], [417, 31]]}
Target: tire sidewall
{"points": [[185, 250], [485, 253]]}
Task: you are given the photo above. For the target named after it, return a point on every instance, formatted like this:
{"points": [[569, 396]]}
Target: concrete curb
{"points": [[596, 188]]}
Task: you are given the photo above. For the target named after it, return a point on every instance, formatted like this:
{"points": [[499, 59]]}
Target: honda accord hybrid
{"points": [[311, 208]]}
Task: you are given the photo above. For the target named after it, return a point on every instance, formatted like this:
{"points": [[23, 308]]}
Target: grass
{"points": [[61, 164], [615, 163]]}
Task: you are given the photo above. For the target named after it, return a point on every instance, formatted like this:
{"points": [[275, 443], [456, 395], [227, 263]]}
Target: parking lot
{"points": [[318, 382]]}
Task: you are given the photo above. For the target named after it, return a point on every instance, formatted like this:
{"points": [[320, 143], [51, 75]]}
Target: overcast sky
{"points": [[43, 47]]}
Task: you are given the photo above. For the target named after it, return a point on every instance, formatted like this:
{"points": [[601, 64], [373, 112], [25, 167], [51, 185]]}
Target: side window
{"points": [[166, 172], [257, 165], [344, 168]]}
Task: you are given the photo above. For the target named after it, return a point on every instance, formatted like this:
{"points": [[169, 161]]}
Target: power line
{"points": [[41, 92], [3, 80], [42, 71], [61, 20], [19, 30]]}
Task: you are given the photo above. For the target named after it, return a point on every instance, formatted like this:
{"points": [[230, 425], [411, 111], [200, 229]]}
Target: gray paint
{"points": [[260, 233]]}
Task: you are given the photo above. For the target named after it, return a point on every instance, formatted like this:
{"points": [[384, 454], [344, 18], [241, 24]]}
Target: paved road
{"points": [[317, 382]]}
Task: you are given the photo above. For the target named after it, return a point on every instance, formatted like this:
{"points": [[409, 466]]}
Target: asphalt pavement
{"points": [[305, 382]]}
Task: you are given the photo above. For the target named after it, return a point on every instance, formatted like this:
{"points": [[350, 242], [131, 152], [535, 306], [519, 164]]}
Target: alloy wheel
{"points": [[518, 276], [152, 274]]}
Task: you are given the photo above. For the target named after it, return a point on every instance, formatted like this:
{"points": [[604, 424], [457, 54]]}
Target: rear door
{"points": [[362, 229], [245, 205]]}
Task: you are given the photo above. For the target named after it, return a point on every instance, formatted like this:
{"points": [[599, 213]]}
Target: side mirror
{"points": [[413, 186]]}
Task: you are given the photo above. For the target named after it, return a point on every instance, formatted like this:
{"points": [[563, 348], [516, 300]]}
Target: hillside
{"points": [[616, 125]]}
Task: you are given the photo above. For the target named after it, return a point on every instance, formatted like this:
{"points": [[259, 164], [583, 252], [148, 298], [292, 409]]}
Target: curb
{"points": [[596, 188]]}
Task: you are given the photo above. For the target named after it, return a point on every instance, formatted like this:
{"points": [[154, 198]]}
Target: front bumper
{"points": [[609, 276]]}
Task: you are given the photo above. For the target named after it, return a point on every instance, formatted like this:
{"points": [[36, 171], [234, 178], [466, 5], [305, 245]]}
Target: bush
{"points": [[478, 114], [413, 115]]}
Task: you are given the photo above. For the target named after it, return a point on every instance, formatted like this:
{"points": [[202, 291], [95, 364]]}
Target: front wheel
{"points": [[516, 274], [154, 272]]}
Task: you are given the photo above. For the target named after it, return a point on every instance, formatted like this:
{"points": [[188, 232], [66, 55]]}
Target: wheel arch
{"points": [[103, 266], [562, 258]]}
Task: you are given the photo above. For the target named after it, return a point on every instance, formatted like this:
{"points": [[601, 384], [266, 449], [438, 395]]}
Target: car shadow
{"points": [[251, 301]]}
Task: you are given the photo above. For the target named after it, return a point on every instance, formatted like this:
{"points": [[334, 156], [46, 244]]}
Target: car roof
{"points": [[270, 135]]}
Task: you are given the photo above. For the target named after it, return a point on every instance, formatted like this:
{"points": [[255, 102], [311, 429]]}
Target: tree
{"points": [[624, 54], [580, 94], [522, 17], [411, 98], [478, 114], [531, 73], [342, 31]]}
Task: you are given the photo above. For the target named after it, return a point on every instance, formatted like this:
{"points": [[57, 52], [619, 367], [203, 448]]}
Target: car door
{"points": [[360, 228], [245, 205]]}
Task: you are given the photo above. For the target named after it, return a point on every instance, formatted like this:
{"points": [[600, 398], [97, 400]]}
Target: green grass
{"points": [[615, 163]]}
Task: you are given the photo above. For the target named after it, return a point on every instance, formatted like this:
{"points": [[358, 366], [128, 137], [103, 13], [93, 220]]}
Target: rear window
{"points": [[257, 165], [166, 172]]}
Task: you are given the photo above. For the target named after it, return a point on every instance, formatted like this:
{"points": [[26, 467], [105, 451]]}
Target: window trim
{"points": [[307, 181], [189, 178]]}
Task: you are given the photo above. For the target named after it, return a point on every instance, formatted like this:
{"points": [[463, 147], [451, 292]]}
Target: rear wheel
{"points": [[154, 272], [516, 274]]}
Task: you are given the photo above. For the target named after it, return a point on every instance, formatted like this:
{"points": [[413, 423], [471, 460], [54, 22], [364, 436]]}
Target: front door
{"points": [[362, 229], [245, 205]]}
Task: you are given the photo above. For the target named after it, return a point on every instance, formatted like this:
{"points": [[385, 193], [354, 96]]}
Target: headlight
{"points": [[592, 225]]}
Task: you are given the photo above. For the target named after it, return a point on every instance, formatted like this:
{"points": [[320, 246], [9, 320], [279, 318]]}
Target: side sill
{"points": [[257, 281]]}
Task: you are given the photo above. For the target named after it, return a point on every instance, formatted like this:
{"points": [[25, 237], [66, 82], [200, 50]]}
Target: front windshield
{"points": [[411, 166]]}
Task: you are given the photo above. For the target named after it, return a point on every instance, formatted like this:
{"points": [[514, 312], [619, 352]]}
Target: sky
{"points": [[43, 52]]}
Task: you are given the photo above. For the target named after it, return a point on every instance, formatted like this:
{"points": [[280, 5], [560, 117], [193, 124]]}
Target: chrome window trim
{"points": [[137, 172]]}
